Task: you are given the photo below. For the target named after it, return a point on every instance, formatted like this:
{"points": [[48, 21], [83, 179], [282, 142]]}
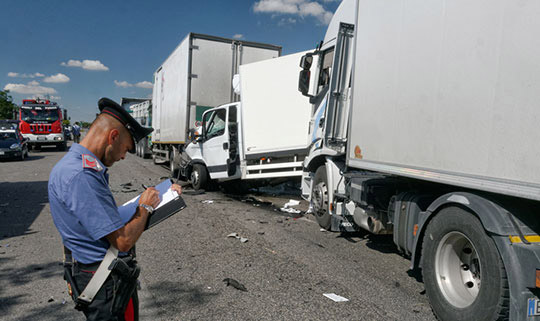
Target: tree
{"points": [[66, 122], [7, 107]]}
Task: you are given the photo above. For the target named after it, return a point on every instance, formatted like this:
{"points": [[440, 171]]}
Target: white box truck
{"points": [[426, 126], [194, 78], [262, 137], [142, 112]]}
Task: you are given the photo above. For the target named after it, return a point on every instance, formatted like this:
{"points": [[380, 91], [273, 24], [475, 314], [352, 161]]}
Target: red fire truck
{"points": [[41, 123]]}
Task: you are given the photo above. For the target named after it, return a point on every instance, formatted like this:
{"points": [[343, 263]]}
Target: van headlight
{"points": [[15, 146]]}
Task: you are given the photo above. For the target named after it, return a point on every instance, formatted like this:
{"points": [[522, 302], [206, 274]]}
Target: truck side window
{"points": [[326, 69], [216, 126]]}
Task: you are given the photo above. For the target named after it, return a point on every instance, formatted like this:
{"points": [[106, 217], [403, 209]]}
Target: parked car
{"points": [[12, 144]]}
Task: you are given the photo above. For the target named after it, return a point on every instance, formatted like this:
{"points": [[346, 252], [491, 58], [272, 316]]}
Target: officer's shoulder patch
{"points": [[89, 161]]}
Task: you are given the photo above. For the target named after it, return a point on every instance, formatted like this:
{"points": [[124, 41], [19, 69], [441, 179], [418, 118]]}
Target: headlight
{"points": [[58, 138], [15, 146]]}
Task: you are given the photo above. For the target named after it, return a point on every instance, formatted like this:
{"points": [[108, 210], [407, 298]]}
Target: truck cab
{"points": [[41, 123], [213, 153]]}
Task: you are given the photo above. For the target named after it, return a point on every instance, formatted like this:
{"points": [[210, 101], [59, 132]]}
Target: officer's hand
{"points": [[177, 188], [150, 197]]}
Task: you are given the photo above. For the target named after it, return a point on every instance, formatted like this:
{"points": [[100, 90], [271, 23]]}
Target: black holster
{"points": [[124, 273]]}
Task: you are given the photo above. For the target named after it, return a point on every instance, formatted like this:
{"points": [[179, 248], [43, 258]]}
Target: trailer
{"points": [[425, 127], [142, 112], [261, 138], [196, 76]]}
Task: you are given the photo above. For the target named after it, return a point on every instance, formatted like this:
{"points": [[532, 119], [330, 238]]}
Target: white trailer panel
{"points": [[275, 115], [448, 91], [195, 77]]}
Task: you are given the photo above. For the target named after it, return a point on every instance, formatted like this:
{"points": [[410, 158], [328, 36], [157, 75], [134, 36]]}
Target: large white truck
{"points": [[426, 126], [142, 112], [262, 137], [196, 76]]}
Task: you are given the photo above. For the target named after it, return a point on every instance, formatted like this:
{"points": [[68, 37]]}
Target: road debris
{"points": [[288, 207], [235, 235], [336, 298], [207, 201], [194, 192], [235, 284], [51, 299]]}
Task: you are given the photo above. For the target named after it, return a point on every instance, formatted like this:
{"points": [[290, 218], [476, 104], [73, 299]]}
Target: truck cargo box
{"points": [[195, 77], [442, 93], [275, 115]]}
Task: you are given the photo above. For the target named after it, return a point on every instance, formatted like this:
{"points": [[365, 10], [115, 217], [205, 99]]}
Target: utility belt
{"points": [[123, 270]]}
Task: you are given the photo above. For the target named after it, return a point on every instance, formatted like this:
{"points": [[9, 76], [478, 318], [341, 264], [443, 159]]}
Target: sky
{"points": [[78, 51]]}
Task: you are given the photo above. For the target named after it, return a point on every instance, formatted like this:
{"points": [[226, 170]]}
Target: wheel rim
{"points": [[320, 198], [195, 178], [457, 268]]}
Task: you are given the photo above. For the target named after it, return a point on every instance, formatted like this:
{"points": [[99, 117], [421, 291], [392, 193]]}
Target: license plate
{"points": [[1, 153], [533, 308], [42, 138]]}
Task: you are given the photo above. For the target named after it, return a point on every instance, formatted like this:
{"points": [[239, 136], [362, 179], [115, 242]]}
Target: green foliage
{"points": [[66, 122], [7, 107], [85, 124]]}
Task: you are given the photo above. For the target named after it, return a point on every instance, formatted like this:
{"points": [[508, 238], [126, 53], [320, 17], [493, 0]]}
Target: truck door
{"points": [[215, 146]]}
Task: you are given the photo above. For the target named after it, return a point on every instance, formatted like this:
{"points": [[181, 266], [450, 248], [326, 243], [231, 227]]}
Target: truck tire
{"points": [[463, 273], [172, 165], [199, 177], [319, 198]]}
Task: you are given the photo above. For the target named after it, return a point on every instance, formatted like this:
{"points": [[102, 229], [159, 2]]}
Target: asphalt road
{"points": [[287, 264]]}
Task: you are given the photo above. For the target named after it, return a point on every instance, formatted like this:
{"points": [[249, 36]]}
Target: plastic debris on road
{"points": [[235, 284], [287, 208], [336, 298], [235, 235], [207, 201]]}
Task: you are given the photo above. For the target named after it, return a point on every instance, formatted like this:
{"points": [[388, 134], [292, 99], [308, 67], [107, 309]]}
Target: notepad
{"points": [[171, 203]]}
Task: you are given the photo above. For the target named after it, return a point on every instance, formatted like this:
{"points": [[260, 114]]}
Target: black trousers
{"points": [[100, 308]]}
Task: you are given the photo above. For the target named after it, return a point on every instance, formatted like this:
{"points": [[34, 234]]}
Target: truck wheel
{"points": [[463, 272], [319, 198], [199, 177]]}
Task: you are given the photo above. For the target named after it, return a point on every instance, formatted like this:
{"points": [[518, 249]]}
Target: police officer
{"points": [[84, 210]]}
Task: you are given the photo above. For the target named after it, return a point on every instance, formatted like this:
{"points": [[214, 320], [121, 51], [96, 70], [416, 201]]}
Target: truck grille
{"points": [[40, 128]]}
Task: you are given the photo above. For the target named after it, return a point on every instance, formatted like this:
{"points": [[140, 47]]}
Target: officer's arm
{"points": [[126, 237]]}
